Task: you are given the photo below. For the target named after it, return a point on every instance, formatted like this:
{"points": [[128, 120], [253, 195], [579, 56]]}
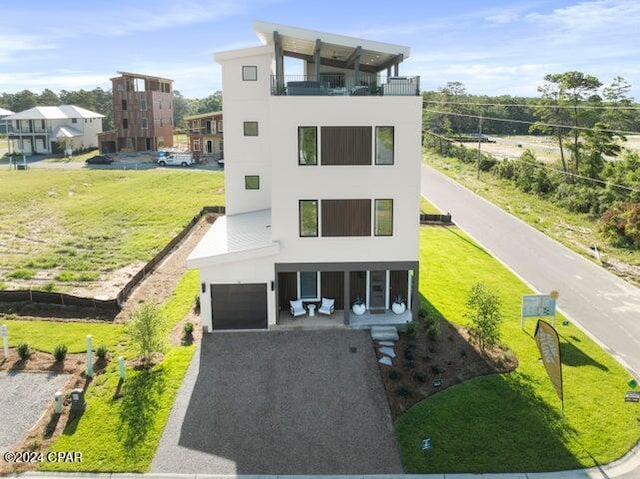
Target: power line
{"points": [[555, 170], [519, 105], [548, 125]]}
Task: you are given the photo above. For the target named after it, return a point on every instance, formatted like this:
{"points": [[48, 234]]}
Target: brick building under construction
{"points": [[142, 114]]}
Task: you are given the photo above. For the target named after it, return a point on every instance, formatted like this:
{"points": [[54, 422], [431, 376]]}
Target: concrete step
{"points": [[384, 333]]}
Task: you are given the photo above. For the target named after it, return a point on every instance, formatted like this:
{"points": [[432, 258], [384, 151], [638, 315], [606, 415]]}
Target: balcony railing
{"points": [[341, 85], [27, 131]]}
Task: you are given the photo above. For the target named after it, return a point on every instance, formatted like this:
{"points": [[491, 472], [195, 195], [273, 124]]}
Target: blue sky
{"points": [[493, 47]]}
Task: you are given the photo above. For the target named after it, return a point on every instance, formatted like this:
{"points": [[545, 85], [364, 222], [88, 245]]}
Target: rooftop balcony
{"points": [[341, 85]]}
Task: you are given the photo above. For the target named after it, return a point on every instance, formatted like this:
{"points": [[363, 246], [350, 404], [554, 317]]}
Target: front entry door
{"points": [[377, 286], [209, 146]]}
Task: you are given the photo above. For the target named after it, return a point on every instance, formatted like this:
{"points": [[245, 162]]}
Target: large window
{"points": [[308, 285], [252, 182], [383, 217], [250, 128], [307, 145], [384, 145], [308, 211], [249, 73]]}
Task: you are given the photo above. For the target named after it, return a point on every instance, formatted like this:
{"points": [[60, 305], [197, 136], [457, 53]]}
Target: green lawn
{"points": [[507, 423], [575, 230], [427, 207], [74, 225], [45, 335], [122, 434]]}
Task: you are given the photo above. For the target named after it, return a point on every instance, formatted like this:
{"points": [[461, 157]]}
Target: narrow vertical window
{"points": [[309, 285], [252, 182], [384, 145], [145, 124], [250, 128], [308, 212], [383, 217], [143, 104], [307, 145], [124, 105], [249, 73], [125, 123]]}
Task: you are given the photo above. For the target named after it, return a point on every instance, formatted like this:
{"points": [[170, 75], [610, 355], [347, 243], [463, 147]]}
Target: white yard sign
{"points": [[538, 306]]}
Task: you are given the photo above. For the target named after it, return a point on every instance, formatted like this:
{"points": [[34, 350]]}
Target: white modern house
{"points": [[322, 185], [53, 129]]}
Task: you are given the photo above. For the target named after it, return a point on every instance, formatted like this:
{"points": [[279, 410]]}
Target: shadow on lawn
{"points": [[455, 231], [574, 356], [139, 405]]}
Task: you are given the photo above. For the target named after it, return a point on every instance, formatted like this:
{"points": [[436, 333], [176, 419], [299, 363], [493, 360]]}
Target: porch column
{"points": [[279, 60], [415, 300], [396, 67], [347, 295], [316, 59]]}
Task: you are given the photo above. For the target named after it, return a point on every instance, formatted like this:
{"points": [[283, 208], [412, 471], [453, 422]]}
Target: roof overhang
{"points": [[336, 50]]}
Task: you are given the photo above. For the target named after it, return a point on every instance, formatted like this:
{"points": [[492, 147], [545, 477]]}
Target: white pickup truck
{"points": [[175, 159]]}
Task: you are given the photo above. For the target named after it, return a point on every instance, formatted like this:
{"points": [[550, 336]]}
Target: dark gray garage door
{"points": [[239, 306]]}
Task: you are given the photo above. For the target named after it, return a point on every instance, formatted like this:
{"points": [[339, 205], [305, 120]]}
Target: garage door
{"points": [[239, 306]]}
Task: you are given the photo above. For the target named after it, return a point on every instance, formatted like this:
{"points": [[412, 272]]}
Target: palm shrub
{"points": [[483, 311], [187, 330], [147, 329], [102, 351], [24, 351]]}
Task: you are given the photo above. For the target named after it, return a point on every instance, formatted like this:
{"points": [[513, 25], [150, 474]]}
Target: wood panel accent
{"points": [[346, 145], [287, 289], [358, 282], [398, 285], [332, 286], [346, 217]]}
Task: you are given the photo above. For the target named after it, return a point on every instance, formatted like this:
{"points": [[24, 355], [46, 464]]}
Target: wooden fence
{"points": [[115, 304]]}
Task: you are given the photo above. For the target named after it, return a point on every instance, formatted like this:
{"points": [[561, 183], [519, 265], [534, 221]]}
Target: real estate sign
{"points": [[549, 347], [538, 306]]}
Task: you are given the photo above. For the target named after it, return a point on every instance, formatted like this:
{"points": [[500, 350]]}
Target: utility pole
{"points": [[479, 148]]}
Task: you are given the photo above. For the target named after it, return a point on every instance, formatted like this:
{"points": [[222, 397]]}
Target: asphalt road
{"points": [[607, 307]]}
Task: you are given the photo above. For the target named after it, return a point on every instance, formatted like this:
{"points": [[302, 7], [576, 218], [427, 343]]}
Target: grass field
{"points": [[427, 208], [122, 434], [575, 230], [512, 422], [46, 335], [65, 227]]}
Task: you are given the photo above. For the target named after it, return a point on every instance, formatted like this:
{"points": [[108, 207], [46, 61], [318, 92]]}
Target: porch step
{"points": [[384, 333]]}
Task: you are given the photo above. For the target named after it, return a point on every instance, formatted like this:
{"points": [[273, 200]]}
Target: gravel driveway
{"points": [[281, 402], [23, 398]]}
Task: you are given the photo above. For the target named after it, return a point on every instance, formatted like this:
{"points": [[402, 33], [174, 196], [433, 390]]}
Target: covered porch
{"points": [[374, 286]]}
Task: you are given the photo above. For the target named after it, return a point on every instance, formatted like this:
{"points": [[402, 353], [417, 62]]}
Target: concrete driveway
{"points": [[281, 402]]}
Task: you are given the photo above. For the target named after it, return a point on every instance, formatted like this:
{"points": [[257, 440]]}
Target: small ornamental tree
{"points": [[147, 329], [483, 310]]}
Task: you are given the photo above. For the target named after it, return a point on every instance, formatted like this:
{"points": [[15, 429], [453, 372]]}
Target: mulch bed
{"points": [[424, 366]]}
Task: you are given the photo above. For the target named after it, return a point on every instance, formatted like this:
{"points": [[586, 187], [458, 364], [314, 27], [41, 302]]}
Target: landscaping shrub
{"points": [[24, 351], [147, 330], [432, 324], [412, 329], [102, 351], [60, 353], [187, 330], [620, 225], [483, 311], [50, 287], [21, 273]]}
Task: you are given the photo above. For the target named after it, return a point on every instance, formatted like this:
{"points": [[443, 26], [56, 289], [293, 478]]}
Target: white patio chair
{"points": [[296, 308], [327, 307]]}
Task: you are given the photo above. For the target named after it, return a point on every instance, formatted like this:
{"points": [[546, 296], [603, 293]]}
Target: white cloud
{"points": [[57, 80]]}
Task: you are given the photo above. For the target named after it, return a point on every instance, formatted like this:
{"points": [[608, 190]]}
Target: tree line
{"points": [[595, 173], [100, 101]]}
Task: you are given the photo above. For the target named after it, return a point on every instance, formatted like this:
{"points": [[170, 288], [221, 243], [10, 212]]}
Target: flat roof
{"points": [[235, 238], [202, 115], [334, 46], [141, 75]]}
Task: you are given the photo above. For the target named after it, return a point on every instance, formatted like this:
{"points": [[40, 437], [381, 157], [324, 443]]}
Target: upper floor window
{"points": [[144, 123], [384, 145], [250, 128], [74, 120], [125, 123], [308, 218], [383, 217], [219, 126], [195, 124], [252, 182], [143, 104], [124, 105], [249, 73], [307, 145]]}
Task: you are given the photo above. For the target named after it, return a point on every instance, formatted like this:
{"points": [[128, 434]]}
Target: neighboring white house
{"points": [[322, 183], [3, 123], [53, 129]]}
